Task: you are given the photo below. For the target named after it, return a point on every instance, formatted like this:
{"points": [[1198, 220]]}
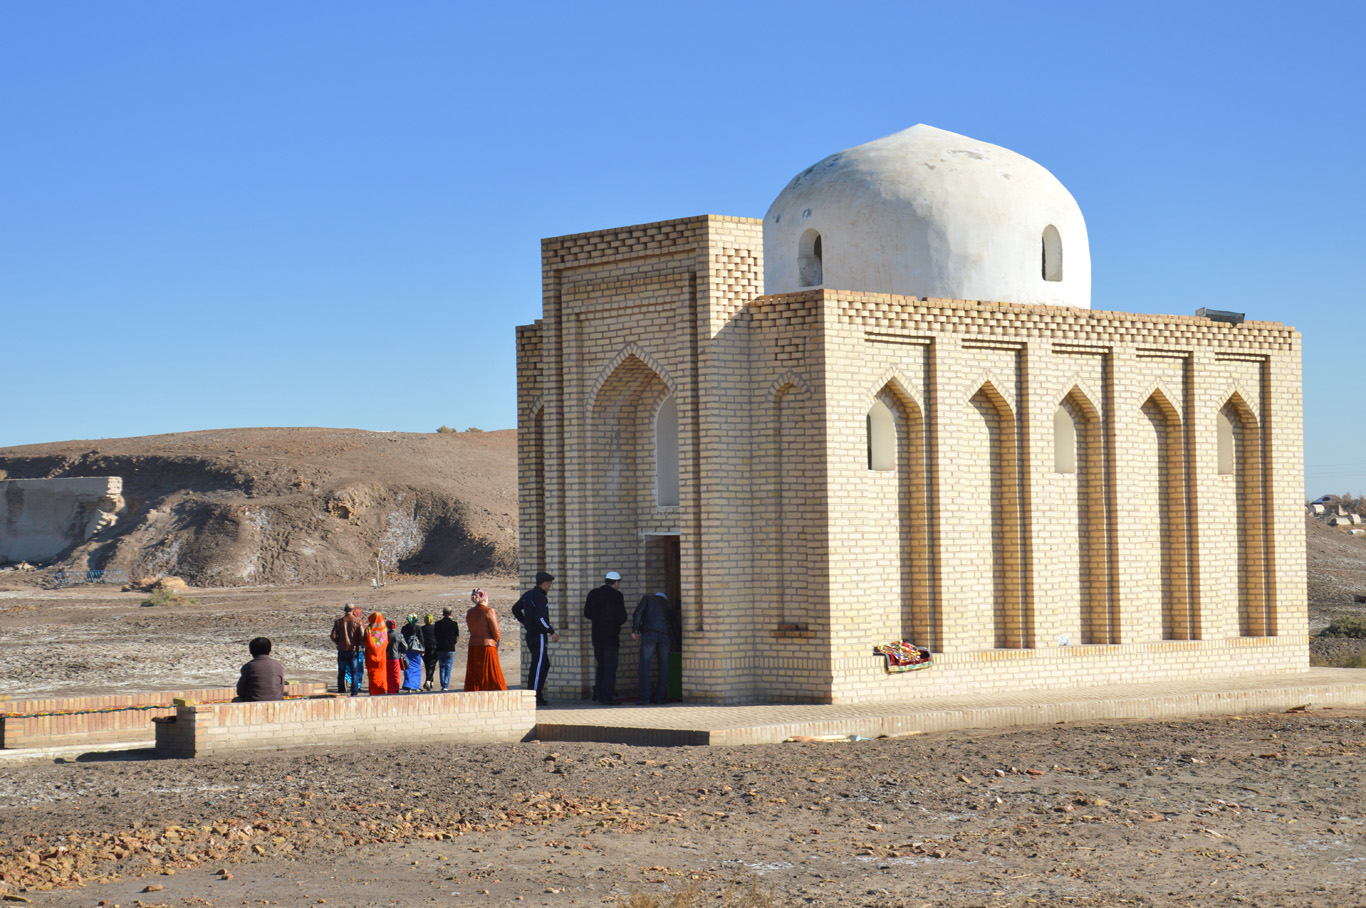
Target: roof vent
{"points": [[1219, 315]]}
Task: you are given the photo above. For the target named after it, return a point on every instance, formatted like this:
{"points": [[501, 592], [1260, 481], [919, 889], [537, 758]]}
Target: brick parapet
{"points": [[128, 717], [490, 717], [934, 316]]}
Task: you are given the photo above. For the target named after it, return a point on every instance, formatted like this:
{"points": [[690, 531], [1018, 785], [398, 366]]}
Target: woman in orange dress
{"points": [[376, 648], [483, 671]]}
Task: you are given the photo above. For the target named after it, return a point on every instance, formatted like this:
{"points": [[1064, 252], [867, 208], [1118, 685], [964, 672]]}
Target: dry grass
{"points": [[166, 596], [1342, 660]]}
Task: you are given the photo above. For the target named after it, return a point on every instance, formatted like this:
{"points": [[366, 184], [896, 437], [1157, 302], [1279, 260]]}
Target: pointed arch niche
{"points": [[992, 473], [900, 497], [1159, 494], [1239, 424], [1078, 458], [621, 446]]}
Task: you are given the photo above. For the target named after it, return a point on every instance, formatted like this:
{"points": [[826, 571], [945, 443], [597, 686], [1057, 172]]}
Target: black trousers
{"points": [[537, 647], [605, 682]]}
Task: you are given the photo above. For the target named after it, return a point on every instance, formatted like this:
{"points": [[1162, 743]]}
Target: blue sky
{"points": [[329, 213]]}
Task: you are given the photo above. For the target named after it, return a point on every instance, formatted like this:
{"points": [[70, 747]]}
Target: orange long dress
{"points": [[376, 647], [483, 671]]}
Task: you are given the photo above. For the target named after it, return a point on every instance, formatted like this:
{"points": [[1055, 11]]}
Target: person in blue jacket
{"points": [[533, 611]]}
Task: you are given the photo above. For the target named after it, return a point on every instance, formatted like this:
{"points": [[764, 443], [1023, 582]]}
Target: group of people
{"points": [[393, 659], [414, 657], [605, 611]]}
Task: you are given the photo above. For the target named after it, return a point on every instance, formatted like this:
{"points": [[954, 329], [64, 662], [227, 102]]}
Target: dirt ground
{"points": [[1262, 810], [75, 642]]}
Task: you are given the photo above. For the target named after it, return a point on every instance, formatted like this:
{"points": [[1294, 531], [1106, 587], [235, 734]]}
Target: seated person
{"points": [[262, 678]]}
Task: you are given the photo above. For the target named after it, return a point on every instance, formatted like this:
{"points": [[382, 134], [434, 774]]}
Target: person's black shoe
{"points": [[542, 702]]}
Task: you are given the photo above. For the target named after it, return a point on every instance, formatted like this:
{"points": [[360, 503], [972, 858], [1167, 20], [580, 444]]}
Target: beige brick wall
{"points": [[797, 558], [455, 718]]}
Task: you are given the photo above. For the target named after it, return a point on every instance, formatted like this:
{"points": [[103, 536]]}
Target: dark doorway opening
{"points": [[666, 576]]}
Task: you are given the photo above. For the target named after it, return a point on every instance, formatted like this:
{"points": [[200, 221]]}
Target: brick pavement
{"points": [[680, 724]]}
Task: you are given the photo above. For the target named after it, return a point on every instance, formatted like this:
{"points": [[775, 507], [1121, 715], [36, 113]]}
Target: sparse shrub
{"points": [[1346, 626], [444, 430], [1341, 660], [161, 596], [167, 591], [474, 429]]}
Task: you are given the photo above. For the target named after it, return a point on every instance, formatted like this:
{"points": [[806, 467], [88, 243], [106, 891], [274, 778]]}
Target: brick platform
{"points": [[448, 718], [76, 727], [1318, 688]]}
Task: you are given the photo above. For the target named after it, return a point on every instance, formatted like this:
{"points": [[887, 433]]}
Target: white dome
{"points": [[924, 212]]}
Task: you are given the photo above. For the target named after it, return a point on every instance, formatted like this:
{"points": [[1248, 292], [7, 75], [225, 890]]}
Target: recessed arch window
{"points": [[666, 453], [810, 269], [1064, 442], [1052, 254], [881, 437], [1226, 428]]}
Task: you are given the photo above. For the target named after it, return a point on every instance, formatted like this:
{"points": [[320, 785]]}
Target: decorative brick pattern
{"points": [[1142, 559]]}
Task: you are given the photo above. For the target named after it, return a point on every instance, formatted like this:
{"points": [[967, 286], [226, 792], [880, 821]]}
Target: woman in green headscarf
{"points": [[412, 645]]}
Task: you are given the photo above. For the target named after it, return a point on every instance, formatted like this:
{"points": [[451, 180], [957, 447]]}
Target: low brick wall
{"points": [[80, 727], [490, 717]]}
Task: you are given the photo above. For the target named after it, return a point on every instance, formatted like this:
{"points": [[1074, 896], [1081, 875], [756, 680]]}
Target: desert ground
{"points": [[1262, 810], [1257, 810], [84, 640]]}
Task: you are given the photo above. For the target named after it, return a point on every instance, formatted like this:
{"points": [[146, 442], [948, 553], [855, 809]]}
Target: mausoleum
{"points": [[887, 411]]}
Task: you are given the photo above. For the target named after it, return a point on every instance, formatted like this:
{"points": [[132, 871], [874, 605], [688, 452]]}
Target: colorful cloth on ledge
{"points": [[904, 656]]}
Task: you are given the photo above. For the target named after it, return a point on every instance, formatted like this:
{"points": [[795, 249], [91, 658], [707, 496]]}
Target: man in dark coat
{"points": [[262, 678], [447, 633], [605, 609], [533, 611], [650, 625]]}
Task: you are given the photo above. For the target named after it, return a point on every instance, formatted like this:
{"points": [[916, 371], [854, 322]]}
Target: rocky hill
{"points": [[235, 507]]}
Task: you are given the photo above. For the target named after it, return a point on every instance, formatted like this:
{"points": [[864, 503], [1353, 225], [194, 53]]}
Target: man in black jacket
{"points": [[605, 609], [447, 633], [533, 610], [650, 625]]}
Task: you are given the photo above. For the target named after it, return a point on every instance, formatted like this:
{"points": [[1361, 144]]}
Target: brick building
{"points": [[886, 411]]}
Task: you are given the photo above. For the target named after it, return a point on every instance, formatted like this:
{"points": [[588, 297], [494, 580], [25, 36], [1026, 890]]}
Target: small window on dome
{"points": [[1052, 254], [809, 267]]}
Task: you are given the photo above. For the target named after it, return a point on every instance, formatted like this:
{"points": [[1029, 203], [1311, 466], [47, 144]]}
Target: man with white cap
{"points": [[605, 609]]}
